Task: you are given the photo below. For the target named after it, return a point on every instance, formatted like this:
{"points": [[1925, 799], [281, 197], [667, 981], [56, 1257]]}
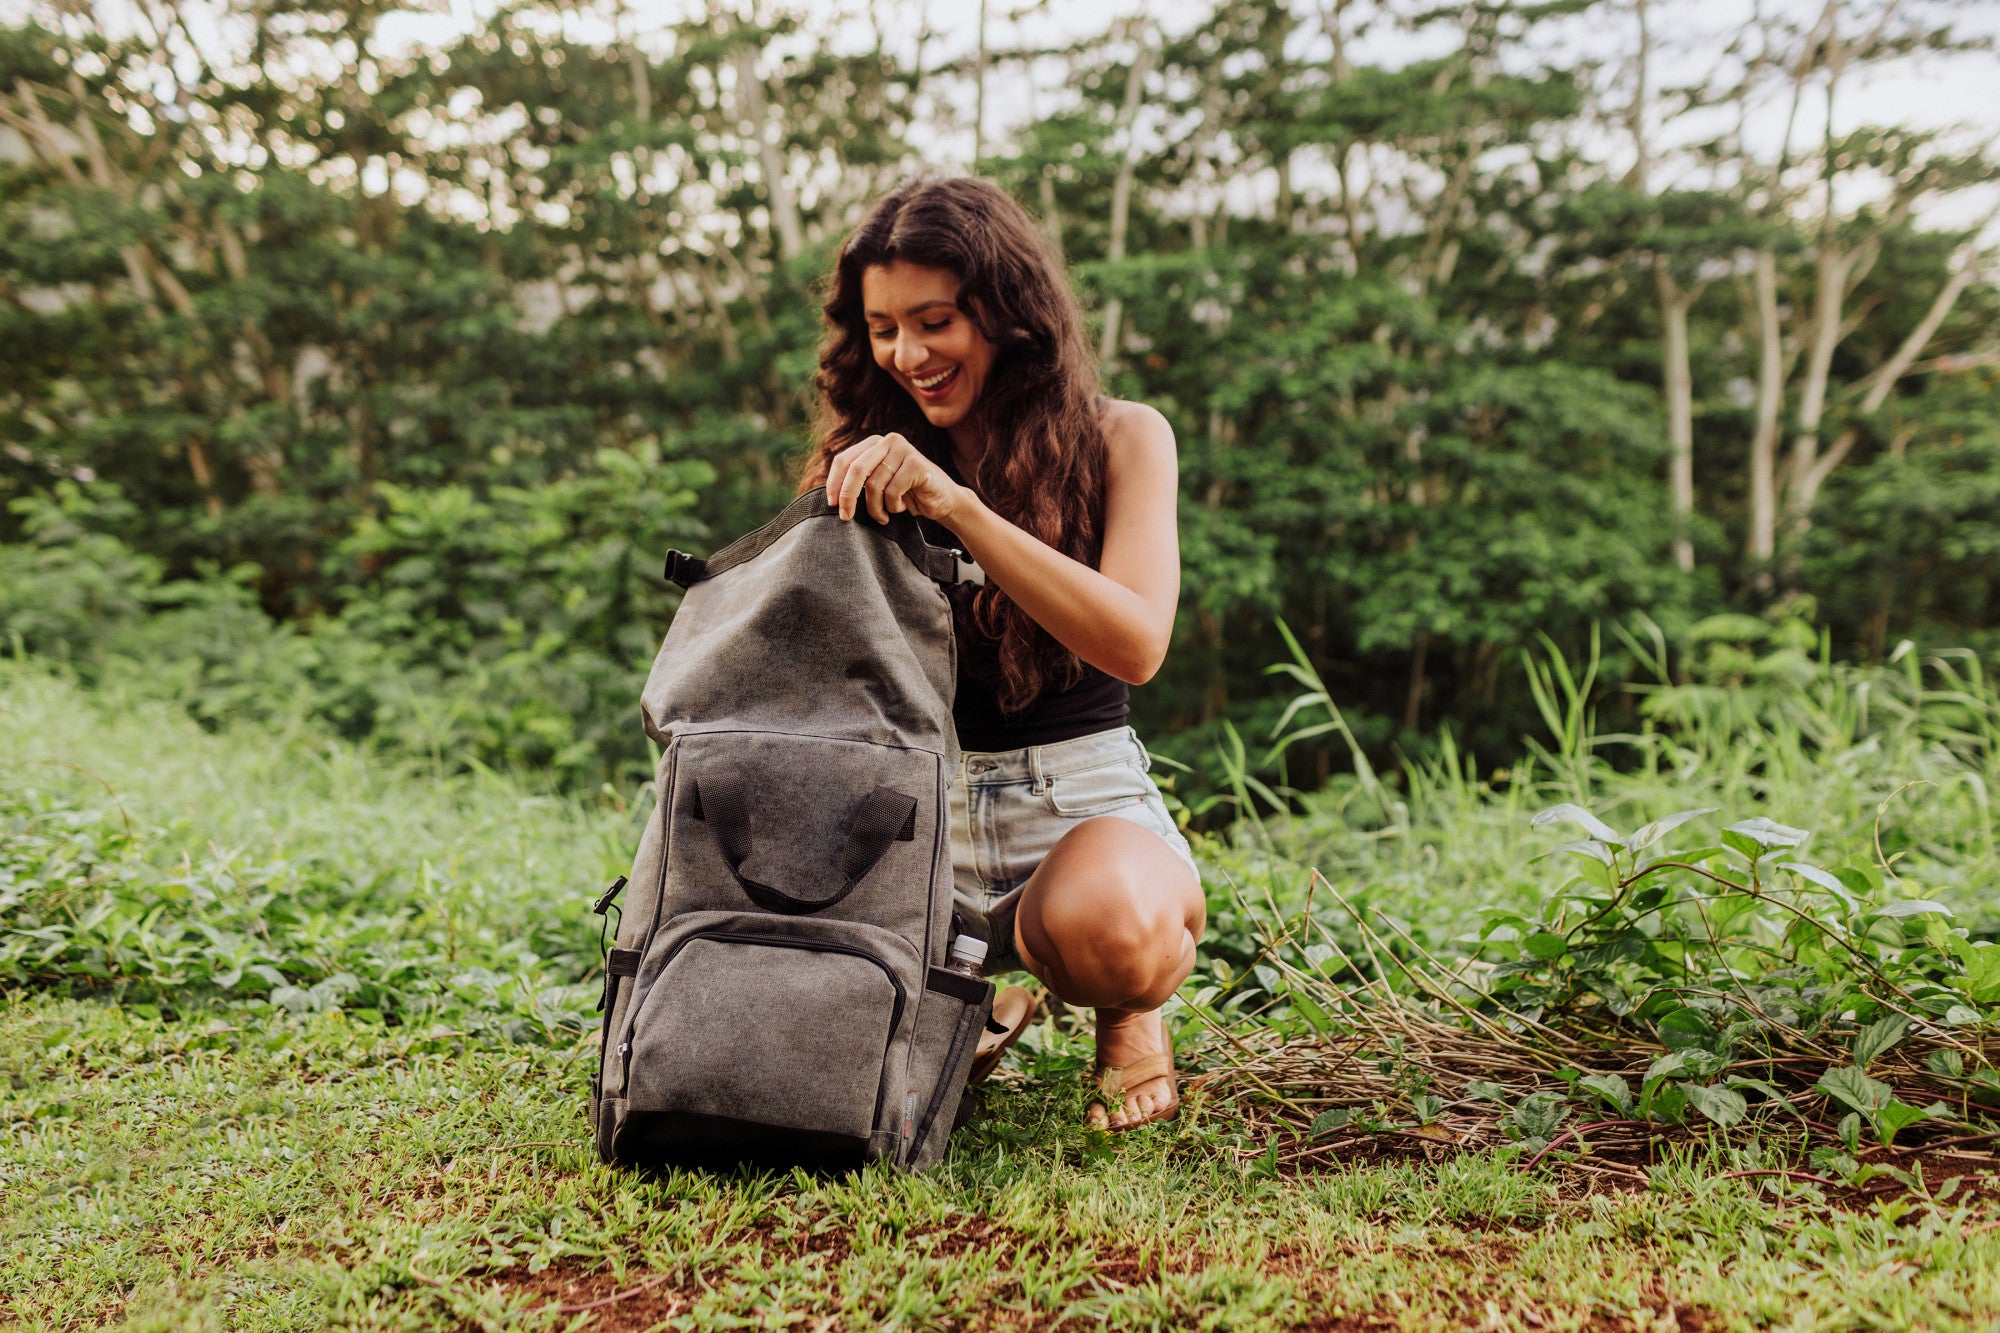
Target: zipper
{"points": [[765, 942]]}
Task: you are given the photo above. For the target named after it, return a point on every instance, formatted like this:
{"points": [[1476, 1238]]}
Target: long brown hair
{"points": [[1043, 467]]}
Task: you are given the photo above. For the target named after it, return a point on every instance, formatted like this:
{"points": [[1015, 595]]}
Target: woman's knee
{"points": [[1114, 927]]}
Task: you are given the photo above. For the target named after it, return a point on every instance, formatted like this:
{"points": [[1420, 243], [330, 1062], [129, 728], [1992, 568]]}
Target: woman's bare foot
{"points": [[1125, 1037]]}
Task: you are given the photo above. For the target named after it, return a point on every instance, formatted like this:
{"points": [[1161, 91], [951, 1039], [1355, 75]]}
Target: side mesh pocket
{"points": [[953, 1015]]}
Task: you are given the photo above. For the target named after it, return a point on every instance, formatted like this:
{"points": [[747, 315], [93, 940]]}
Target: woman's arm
{"points": [[1120, 616]]}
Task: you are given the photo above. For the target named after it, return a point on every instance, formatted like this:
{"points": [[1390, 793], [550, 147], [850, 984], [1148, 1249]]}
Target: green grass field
{"points": [[297, 1039]]}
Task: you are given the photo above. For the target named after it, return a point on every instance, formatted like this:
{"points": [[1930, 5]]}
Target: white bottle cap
{"points": [[968, 949]]}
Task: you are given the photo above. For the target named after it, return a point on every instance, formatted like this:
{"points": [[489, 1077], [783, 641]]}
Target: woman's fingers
{"points": [[906, 478], [898, 468], [855, 478], [836, 471]]}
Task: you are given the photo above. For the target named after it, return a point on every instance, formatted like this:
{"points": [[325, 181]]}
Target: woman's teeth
{"points": [[933, 382]]}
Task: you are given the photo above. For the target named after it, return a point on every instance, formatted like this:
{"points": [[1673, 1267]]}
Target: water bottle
{"points": [[967, 953]]}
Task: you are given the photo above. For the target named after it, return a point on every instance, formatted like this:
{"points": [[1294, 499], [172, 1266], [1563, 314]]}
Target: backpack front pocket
{"points": [[747, 1039]]}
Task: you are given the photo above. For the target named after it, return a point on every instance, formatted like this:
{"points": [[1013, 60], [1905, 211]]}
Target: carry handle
{"points": [[883, 817]]}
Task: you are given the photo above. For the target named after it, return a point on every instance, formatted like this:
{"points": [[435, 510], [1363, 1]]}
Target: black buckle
{"points": [[610, 895], [684, 569]]}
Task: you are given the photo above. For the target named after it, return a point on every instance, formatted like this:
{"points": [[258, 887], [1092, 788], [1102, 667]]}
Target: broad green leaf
{"points": [[1615, 1091], [1878, 1037], [1327, 1121], [1649, 834], [1484, 1090], [1544, 945], [1814, 875], [1768, 834], [1910, 907], [1982, 969], [1668, 1103], [1896, 1116], [1960, 1016], [1853, 1088], [1725, 1106], [1860, 880], [1686, 1028], [1590, 847], [1749, 847], [1576, 814], [1947, 1063]]}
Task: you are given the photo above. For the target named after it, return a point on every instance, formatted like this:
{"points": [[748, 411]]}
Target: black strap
{"points": [[884, 816], [610, 896], [618, 963]]}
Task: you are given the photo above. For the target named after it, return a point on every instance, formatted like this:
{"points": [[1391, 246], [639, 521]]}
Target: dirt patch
{"points": [[1483, 1295], [628, 1304]]}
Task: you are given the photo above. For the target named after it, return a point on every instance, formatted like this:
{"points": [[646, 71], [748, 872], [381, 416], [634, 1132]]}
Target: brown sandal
{"points": [[1113, 1080], [1013, 1010]]}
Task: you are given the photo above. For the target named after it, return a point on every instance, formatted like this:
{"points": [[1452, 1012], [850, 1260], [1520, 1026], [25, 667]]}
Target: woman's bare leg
{"points": [[1109, 921]]}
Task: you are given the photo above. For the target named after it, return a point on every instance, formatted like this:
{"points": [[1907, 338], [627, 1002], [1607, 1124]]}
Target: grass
{"points": [[383, 1128], [295, 1173]]}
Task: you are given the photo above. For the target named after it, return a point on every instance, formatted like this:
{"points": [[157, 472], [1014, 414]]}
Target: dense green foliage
{"points": [[368, 382]]}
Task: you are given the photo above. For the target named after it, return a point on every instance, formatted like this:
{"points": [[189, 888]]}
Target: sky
{"points": [[1937, 92], [1960, 91]]}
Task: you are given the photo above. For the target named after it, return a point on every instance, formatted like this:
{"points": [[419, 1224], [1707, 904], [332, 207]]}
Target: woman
{"points": [[956, 384]]}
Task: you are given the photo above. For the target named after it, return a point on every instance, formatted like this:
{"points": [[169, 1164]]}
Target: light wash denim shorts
{"points": [[1008, 808]]}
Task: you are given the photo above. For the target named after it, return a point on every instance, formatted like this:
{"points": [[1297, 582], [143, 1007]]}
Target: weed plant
{"points": [[1418, 955]]}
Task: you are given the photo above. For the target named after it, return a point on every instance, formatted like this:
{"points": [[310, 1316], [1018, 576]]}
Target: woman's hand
{"points": [[893, 476]]}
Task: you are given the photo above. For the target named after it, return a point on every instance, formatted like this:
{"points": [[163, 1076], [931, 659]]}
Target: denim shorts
{"points": [[1008, 808]]}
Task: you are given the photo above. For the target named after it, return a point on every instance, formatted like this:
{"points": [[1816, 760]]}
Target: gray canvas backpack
{"points": [[776, 993]]}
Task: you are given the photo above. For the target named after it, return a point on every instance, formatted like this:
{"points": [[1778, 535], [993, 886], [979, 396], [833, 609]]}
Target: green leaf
{"points": [[1768, 834], [1576, 814], [1947, 1063], [1894, 1117], [1725, 1106], [1853, 1088], [1480, 1088], [1814, 875], [1646, 836], [1878, 1037], [1737, 842], [1328, 1121], [1910, 907], [1612, 1089], [1982, 969], [1544, 945], [1540, 1114], [1686, 1028], [1590, 847]]}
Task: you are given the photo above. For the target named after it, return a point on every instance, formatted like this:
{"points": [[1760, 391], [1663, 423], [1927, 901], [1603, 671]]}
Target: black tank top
{"points": [[1098, 701]]}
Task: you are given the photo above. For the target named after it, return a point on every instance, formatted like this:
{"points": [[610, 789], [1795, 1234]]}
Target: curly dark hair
{"points": [[1043, 468]]}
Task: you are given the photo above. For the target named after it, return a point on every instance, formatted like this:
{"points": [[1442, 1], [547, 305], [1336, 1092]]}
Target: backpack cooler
{"points": [[776, 995]]}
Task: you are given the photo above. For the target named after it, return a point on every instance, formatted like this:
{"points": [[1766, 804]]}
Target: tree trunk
{"points": [[1674, 304], [1762, 540], [753, 110], [1806, 485], [1121, 189], [1832, 273]]}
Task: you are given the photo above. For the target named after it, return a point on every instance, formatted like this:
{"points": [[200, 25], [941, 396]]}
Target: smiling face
{"points": [[924, 341]]}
